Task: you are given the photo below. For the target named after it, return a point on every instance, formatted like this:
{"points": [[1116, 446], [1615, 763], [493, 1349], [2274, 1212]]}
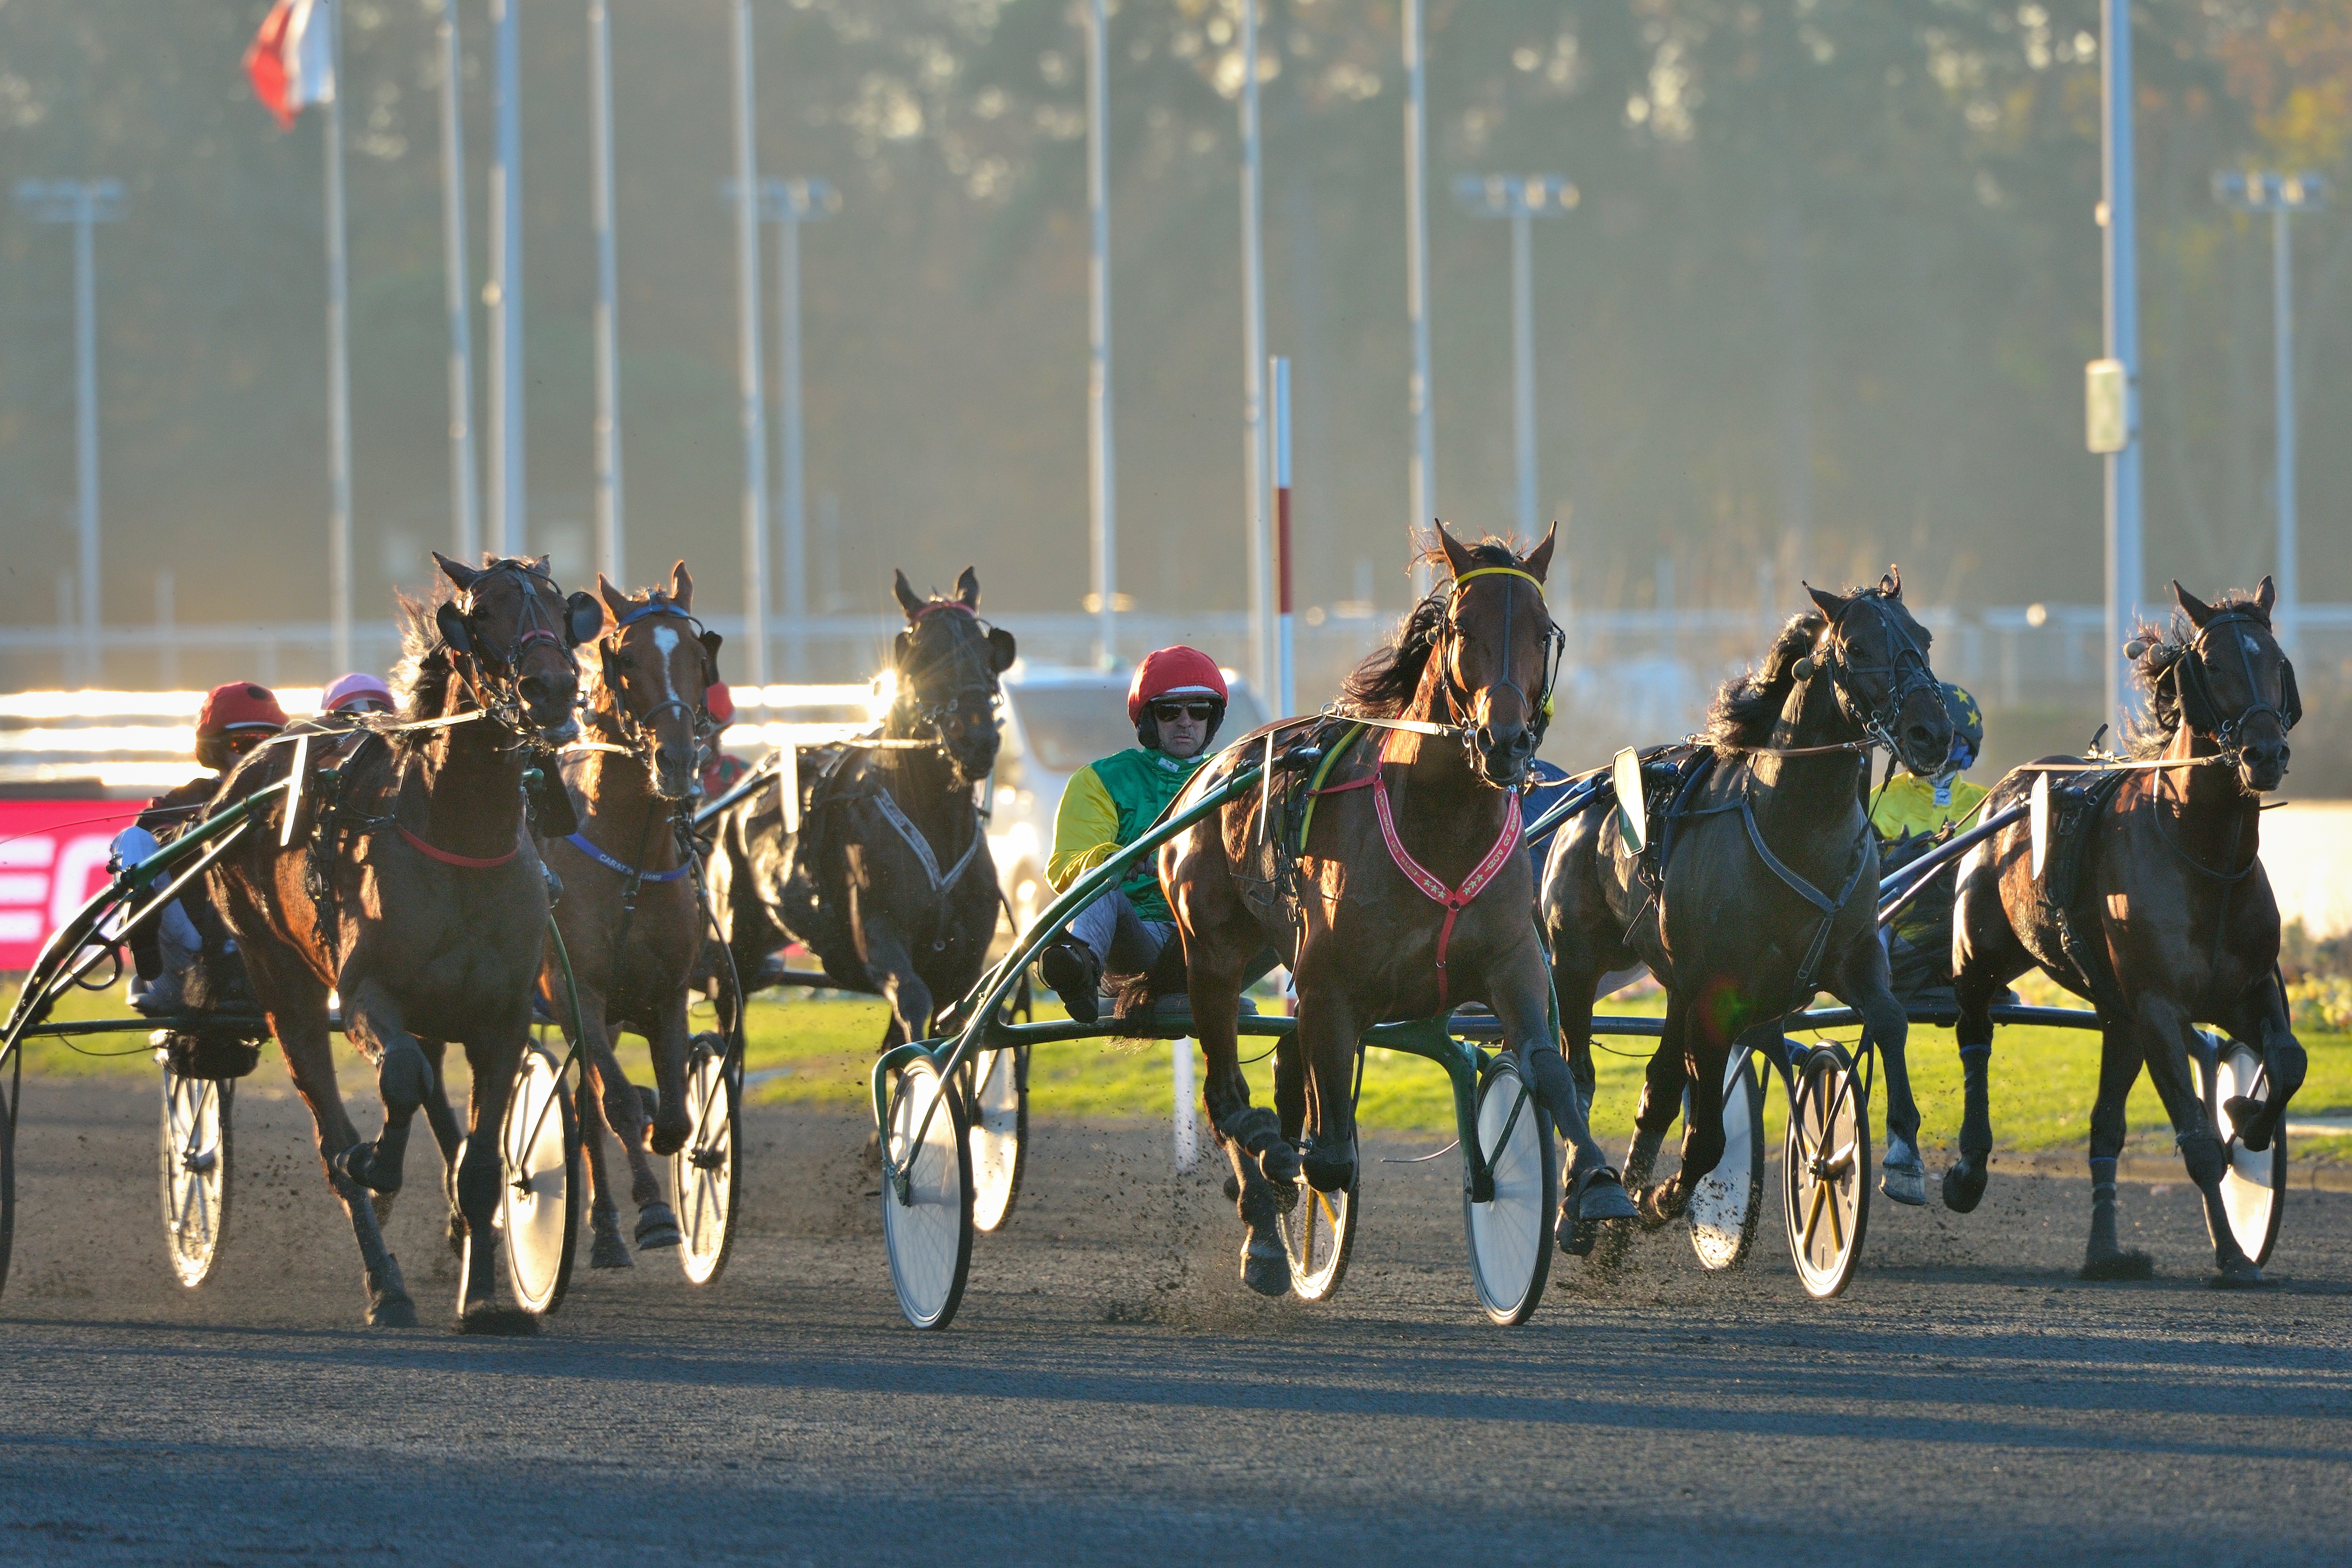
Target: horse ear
{"points": [[967, 589], [1457, 555], [1000, 649], [457, 571], [1830, 605], [1891, 585], [2265, 595], [1538, 559], [710, 645], [909, 600], [616, 599], [583, 617], [2198, 611], [681, 587]]}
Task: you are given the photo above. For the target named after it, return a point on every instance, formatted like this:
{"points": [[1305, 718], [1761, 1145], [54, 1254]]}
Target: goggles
{"points": [[1168, 710]]}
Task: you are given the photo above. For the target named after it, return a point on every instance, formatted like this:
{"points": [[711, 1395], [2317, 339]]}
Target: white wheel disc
{"points": [[706, 1174], [538, 1217], [926, 1225], [2253, 1184], [1000, 1126], [1510, 1239], [1724, 1209], [1825, 1171], [194, 1149], [1319, 1233]]}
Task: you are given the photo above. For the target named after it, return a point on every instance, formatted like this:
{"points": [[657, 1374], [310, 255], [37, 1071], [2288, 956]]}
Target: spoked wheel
{"points": [[2255, 1186], [195, 1150], [9, 1096], [996, 1088], [1724, 1210], [707, 1174], [1825, 1171], [539, 1211], [1319, 1233], [927, 1206], [1510, 1239]]}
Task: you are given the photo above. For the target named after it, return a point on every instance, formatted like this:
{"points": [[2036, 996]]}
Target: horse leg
{"points": [[1265, 1166], [2164, 1031], [403, 1078], [2119, 1059], [1705, 1058], [656, 1221], [1653, 1116], [446, 1135], [1593, 1191], [2262, 1020], [891, 962], [1328, 1039], [1867, 989], [481, 1176], [605, 1247]]}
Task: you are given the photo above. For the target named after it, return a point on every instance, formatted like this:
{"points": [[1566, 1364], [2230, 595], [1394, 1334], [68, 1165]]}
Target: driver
{"points": [[1911, 815], [1176, 702]]}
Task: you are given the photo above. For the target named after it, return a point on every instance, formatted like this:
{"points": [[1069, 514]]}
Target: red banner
{"points": [[52, 860]]}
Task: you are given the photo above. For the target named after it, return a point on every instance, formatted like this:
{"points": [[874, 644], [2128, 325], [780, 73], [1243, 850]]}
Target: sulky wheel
{"points": [[194, 1149], [1510, 1239], [539, 1208], [2255, 1187], [927, 1204], [9, 1092], [1825, 1170], [1319, 1233], [1724, 1209], [996, 1092], [706, 1176]]}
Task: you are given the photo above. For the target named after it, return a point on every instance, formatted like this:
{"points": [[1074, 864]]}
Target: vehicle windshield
{"points": [[1066, 727]]}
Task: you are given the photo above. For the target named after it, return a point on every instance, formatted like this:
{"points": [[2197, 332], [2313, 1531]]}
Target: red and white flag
{"points": [[292, 60]]}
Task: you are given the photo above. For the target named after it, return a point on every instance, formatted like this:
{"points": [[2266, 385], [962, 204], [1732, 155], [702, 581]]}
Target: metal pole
{"points": [[754, 410], [167, 635], [509, 518], [611, 548], [1261, 544], [1421, 482], [1523, 363], [1102, 490], [1285, 685], [788, 393], [85, 426], [2119, 264], [464, 502], [338, 364], [2282, 354]]}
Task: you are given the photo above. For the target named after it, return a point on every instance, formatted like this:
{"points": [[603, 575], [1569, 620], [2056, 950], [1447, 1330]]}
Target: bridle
{"points": [[975, 684], [2193, 685], [503, 698], [1906, 672], [1459, 703], [635, 727]]}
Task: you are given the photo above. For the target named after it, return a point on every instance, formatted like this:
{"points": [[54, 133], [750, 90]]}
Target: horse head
{"points": [[518, 630], [657, 666], [1877, 658], [1496, 653], [948, 660], [2236, 684]]}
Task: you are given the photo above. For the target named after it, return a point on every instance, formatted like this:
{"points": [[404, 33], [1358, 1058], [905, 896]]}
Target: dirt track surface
{"points": [[1110, 1387]]}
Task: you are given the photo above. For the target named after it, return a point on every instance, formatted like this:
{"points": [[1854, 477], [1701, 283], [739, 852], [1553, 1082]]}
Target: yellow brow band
{"points": [[1499, 572]]}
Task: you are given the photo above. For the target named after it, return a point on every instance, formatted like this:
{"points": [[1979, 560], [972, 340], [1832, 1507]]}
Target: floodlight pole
{"points": [[1285, 689], [2119, 264], [611, 542], [339, 361], [509, 522], [464, 500], [790, 204], [83, 204], [1522, 198], [754, 416], [1261, 543], [1421, 482], [1102, 489]]}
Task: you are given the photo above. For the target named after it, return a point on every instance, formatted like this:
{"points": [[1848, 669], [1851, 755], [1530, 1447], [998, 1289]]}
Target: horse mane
{"points": [[2152, 735], [1747, 708], [1384, 682], [420, 680]]}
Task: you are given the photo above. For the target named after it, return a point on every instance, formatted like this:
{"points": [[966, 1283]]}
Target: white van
{"points": [[1058, 719]]}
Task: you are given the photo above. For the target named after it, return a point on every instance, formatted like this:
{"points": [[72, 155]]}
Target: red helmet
{"points": [[719, 702], [1174, 673], [240, 705]]}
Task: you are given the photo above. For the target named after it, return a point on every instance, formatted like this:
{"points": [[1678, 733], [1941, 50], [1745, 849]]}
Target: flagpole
{"points": [[464, 506], [509, 521], [610, 550], [754, 406], [339, 372]]}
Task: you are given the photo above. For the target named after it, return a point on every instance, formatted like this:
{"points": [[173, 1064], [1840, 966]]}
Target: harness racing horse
{"points": [[2168, 921], [418, 896], [885, 874], [1761, 885], [1431, 815], [631, 917]]}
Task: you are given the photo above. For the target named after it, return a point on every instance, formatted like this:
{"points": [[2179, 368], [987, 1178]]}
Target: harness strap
{"points": [[1453, 899], [465, 862], [580, 841], [1828, 906], [898, 818]]}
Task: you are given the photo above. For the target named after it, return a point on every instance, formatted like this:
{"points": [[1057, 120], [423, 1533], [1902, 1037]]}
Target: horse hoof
{"points": [[508, 1322], [656, 1227], [1576, 1236], [2240, 1276], [1652, 1208], [1329, 1175], [2245, 1114], [390, 1312], [1596, 1196], [1265, 1268], [356, 1165], [665, 1140], [2105, 1267], [1904, 1186], [609, 1251], [1278, 1163], [1964, 1188]]}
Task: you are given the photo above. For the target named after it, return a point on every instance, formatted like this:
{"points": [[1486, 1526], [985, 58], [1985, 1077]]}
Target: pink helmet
{"points": [[351, 687]]}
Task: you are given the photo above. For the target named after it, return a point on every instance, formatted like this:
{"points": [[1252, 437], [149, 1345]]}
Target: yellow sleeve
{"points": [[1086, 829]]}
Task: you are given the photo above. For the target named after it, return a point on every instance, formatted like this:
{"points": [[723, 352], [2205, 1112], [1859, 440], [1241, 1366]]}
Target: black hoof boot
{"points": [[1964, 1185], [2248, 1115], [1325, 1172], [1266, 1266], [357, 1165], [656, 1227]]}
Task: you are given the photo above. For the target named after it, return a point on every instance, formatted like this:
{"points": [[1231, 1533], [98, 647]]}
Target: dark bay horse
{"points": [[2171, 922], [1739, 940], [631, 915], [419, 896], [1370, 945], [888, 879]]}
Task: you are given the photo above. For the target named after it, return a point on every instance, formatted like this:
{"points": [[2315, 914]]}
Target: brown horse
{"points": [[1368, 943], [2171, 922], [1768, 882], [420, 899], [632, 921]]}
